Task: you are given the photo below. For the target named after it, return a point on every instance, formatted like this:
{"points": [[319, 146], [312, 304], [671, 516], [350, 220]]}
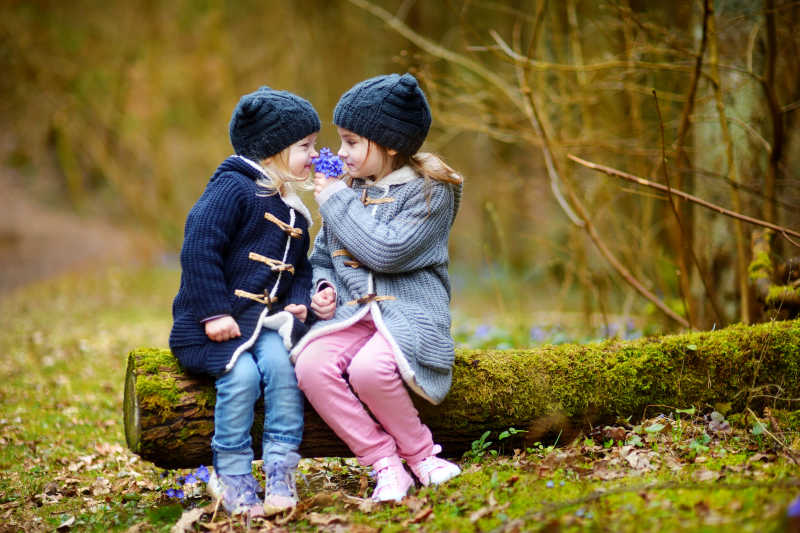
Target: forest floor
{"points": [[66, 466]]}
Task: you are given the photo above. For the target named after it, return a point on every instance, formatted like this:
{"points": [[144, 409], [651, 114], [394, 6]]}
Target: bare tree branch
{"points": [[647, 183]]}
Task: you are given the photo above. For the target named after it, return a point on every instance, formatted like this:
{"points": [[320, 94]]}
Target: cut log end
{"points": [[130, 407]]}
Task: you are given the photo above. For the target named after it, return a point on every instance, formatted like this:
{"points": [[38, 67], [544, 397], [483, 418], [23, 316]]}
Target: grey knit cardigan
{"points": [[383, 246]]}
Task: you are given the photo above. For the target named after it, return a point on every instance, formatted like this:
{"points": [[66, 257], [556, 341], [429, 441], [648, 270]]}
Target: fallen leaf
{"points": [[480, 513], [187, 520], [367, 506], [413, 503], [421, 516], [101, 486], [104, 448], [320, 519], [361, 528], [66, 524], [705, 475]]}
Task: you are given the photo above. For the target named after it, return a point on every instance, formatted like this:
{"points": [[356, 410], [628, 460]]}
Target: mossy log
{"points": [[546, 391], [776, 284]]}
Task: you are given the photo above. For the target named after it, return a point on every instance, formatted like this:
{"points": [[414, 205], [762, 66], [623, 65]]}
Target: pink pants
{"points": [[362, 353]]}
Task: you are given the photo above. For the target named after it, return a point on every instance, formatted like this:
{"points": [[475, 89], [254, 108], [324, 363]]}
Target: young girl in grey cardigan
{"points": [[381, 286]]}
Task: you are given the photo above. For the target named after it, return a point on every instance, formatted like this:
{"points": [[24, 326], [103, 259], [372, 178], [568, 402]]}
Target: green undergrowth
{"points": [[64, 461]]}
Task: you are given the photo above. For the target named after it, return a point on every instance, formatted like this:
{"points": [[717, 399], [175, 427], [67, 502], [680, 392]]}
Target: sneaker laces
{"points": [[281, 476], [239, 492], [388, 475], [434, 469], [430, 463]]}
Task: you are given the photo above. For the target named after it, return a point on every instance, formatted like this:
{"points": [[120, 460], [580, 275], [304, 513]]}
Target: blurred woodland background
{"points": [[118, 111]]}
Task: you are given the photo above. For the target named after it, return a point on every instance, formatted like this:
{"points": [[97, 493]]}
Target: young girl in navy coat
{"points": [[245, 292], [380, 270]]}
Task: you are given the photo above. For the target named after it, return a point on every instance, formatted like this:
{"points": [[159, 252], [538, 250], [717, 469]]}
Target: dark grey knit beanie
{"points": [[390, 110], [267, 121]]}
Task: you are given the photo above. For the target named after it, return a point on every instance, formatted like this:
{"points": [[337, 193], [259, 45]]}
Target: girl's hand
{"points": [[222, 329], [321, 181], [298, 310], [323, 303]]}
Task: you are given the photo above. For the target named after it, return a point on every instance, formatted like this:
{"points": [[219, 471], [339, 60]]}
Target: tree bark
{"points": [[545, 391]]}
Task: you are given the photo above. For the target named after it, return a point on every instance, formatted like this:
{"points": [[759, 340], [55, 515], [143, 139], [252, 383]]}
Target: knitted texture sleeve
{"points": [[401, 244], [210, 223]]}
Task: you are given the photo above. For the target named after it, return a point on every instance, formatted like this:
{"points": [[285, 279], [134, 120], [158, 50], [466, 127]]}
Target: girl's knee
{"points": [[363, 377], [242, 380], [313, 368]]}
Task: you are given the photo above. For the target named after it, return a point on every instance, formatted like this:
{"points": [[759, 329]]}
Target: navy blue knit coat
{"points": [[225, 225]]}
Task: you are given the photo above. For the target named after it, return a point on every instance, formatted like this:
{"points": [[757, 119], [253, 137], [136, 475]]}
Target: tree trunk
{"points": [[546, 391]]}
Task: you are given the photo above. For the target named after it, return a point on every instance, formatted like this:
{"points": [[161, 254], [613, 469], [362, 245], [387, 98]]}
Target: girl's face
{"points": [[363, 158], [300, 155]]}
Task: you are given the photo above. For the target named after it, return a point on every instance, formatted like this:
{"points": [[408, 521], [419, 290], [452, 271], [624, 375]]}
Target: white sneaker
{"points": [[393, 480], [432, 470]]}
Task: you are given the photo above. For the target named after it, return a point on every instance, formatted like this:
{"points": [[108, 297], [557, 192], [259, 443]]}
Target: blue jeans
{"points": [[264, 368]]}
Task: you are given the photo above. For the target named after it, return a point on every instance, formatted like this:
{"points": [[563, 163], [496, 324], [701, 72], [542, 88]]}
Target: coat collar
{"points": [[400, 176], [290, 198]]}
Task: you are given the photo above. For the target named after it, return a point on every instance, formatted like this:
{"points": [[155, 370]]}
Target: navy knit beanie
{"points": [[390, 110], [267, 121]]}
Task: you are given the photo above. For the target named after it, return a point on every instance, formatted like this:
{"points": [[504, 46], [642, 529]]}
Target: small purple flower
{"points": [[794, 508], [537, 334], [202, 474], [189, 479], [612, 330], [482, 331], [328, 163], [175, 493], [550, 484]]}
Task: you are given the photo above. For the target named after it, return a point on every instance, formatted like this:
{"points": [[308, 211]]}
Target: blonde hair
{"points": [[429, 166], [280, 176]]}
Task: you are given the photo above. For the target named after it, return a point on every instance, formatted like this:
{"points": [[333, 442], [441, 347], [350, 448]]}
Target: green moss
{"points": [[760, 267], [623, 378], [157, 393], [778, 293], [154, 361]]}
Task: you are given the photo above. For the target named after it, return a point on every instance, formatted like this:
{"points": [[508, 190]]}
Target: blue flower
{"points": [[328, 163], [175, 493], [482, 331], [202, 474], [611, 330], [190, 479], [550, 484], [794, 508], [537, 334]]}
